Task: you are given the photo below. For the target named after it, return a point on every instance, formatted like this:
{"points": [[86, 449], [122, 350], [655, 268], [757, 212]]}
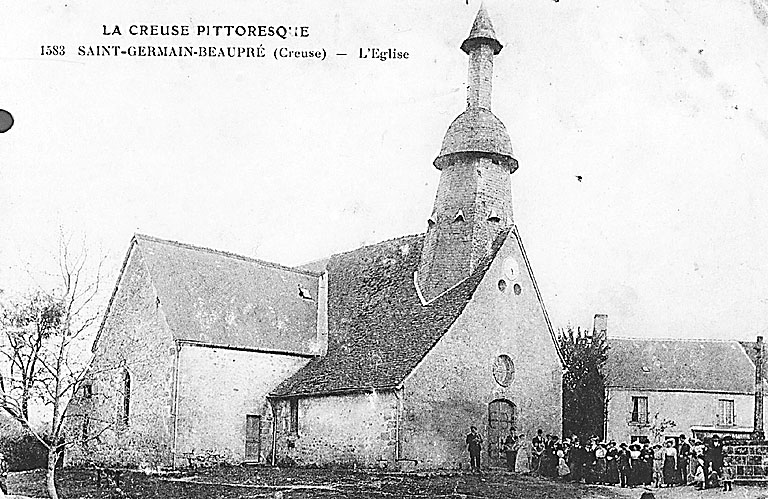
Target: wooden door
{"points": [[501, 418], [252, 437]]}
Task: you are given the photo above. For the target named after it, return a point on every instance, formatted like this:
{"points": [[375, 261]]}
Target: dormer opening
{"points": [[493, 216], [459, 216], [304, 293], [432, 221]]}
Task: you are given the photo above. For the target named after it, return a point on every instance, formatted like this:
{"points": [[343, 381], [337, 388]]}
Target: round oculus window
{"points": [[511, 269], [504, 370]]}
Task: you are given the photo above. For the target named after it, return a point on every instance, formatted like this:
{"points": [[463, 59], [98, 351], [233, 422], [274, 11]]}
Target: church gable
{"points": [[501, 350], [134, 344], [505, 316], [133, 305]]}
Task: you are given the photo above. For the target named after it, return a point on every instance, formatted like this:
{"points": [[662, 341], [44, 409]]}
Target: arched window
{"points": [[125, 407]]}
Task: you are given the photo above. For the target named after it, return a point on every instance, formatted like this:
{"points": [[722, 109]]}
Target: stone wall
{"points": [[686, 409], [480, 76], [749, 460], [135, 337], [452, 249], [453, 386], [355, 430], [218, 388]]}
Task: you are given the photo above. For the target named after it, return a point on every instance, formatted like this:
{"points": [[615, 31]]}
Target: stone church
{"points": [[378, 357]]}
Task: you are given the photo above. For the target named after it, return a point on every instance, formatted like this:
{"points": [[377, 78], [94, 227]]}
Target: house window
{"points": [[293, 422], [725, 416], [639, 410]]}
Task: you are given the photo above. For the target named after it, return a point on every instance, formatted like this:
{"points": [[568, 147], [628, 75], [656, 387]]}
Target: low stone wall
{"points": [[749, 460]]}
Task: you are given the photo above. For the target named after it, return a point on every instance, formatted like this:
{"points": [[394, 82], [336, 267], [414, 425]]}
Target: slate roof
{"points": [[219, 298], [482, 32], [477, 130], [679, 365], [377, 327]]}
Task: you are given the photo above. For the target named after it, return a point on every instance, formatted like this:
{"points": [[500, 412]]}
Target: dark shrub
{"points": [[23, 452]]}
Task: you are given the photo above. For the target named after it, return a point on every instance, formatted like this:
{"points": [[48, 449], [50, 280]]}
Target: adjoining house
{"points": [[381, 356], [704, 387]]}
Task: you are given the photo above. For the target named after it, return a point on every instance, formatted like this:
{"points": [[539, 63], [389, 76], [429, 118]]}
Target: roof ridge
{"points": [[373, 244], [689, 340], [228, 254]]}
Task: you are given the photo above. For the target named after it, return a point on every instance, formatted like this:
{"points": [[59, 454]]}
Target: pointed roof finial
{"points": [[482, 32]]}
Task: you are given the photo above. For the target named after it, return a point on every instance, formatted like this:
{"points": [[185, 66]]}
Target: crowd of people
{"points": [[679, 461]]}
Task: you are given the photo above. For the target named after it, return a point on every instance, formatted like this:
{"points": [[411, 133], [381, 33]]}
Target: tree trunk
{"points": [[50, 476]]}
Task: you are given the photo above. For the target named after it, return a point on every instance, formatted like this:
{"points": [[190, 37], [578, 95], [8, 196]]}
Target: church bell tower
{"points": [[474, 196]]}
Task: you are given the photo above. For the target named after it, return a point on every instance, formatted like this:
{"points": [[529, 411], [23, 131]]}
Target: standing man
{"points": [[511, 446], [624, 465], [683, 457], [713, 457], [474, 444], [3, 474]]}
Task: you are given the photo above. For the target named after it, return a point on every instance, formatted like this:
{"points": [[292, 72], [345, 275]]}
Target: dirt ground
{"points": [[738, 492], [237, 483]]}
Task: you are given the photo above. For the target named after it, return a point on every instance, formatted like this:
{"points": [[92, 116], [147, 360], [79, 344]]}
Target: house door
{"points": [[502, 417], [252, 437]]}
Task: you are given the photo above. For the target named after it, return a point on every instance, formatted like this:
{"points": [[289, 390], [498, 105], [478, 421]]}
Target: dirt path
{"points": [[738, 492]]}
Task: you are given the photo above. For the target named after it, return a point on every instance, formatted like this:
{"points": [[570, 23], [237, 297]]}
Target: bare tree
{"points": [[26, 326], [48, 353]]}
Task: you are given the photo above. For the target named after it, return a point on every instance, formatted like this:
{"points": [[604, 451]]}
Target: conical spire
{"points": [[482, 32], [477, 130]]}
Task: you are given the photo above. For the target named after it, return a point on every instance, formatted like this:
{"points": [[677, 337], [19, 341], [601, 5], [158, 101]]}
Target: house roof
{"points": [[219, 298], [378, 328], [679, 365]]}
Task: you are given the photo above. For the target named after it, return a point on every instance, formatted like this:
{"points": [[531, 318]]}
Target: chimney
{"points": [[759, 433], [600, 327]]}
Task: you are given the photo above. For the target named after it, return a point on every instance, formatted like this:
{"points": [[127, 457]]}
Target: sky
{"points": [[661, 107]]}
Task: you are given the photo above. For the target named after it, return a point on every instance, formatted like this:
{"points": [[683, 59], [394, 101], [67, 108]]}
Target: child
{"points": [[713, 478], [562, 468], [698, 474], [658, 465], [726, 475]]}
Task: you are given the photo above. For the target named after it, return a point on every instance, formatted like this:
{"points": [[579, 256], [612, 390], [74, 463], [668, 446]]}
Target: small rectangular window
{"points": [[87, 390], [124, 405], [726, 415], [640, 410], [294, 415], [85, 430]]}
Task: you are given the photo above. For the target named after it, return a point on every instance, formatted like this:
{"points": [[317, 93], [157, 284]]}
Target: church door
{"points": [[252, 437], [502, 417]]}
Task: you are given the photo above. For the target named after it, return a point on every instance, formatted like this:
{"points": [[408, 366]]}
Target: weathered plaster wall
{"points": [[347, 430], [135, 335], [686, 409], [217, 388], [452, 387]]}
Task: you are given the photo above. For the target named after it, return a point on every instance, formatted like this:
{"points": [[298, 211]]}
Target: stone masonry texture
{"points": [[453, 248], [452, 387], [134, 336]]}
